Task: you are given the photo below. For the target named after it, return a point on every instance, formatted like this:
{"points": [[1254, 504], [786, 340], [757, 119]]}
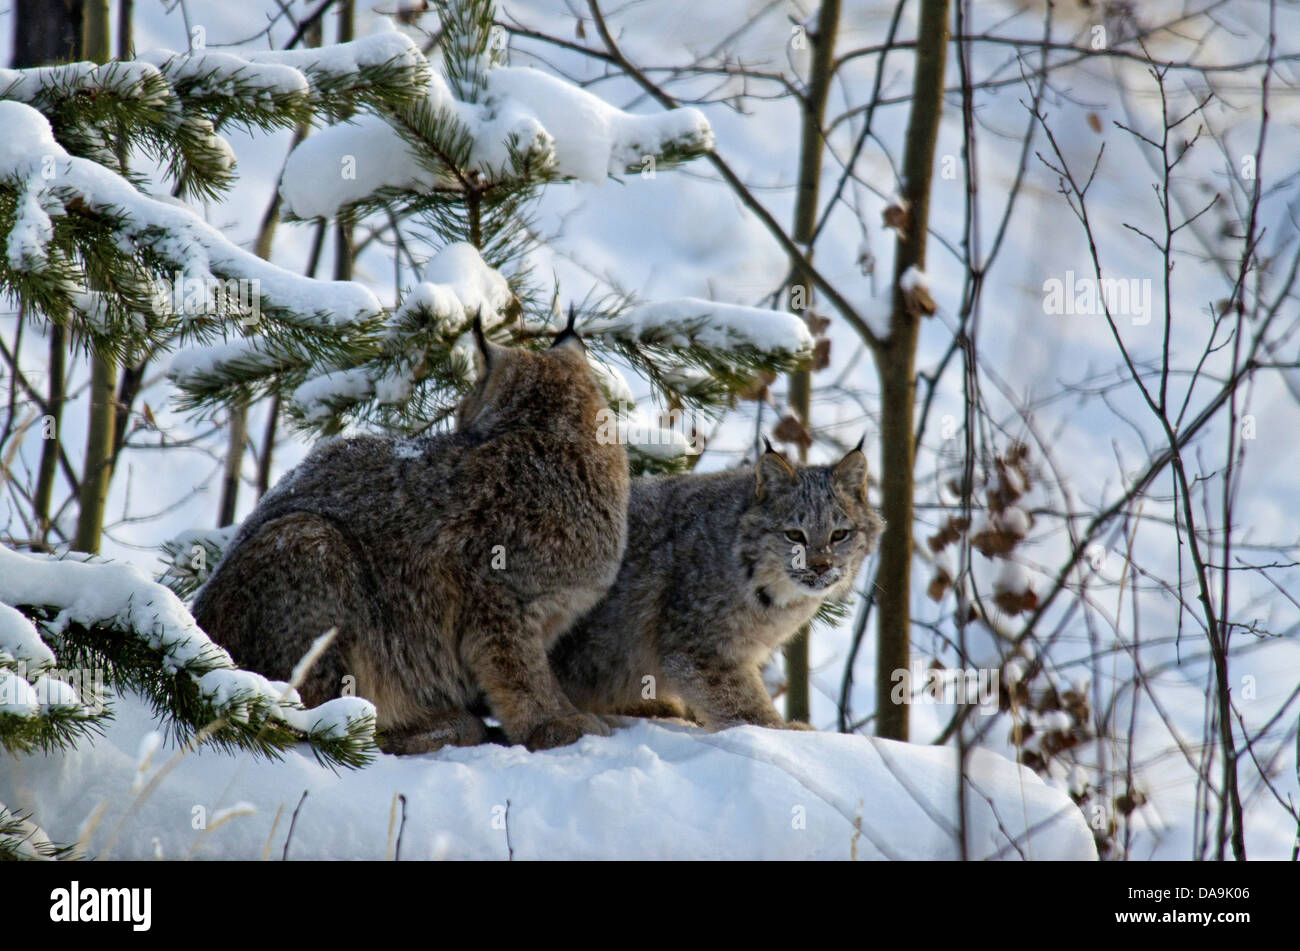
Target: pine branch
{"points": [[139, 635], [21, 840]]}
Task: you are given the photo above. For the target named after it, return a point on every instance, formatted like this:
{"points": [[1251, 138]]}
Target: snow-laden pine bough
{"points": [[73, 628], [460, 150]]}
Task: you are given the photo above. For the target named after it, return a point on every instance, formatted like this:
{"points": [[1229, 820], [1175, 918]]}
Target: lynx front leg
{"points": [[510, 665], [721, 694]]}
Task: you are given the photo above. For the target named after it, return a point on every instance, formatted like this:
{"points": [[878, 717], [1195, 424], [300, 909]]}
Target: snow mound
{"points": [[650, 791]]}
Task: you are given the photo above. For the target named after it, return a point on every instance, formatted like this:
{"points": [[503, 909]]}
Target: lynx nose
{"points": [[820, 564]]}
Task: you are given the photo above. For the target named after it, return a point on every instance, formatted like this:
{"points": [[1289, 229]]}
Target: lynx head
{"points": [[553, 389], [809, 528]]}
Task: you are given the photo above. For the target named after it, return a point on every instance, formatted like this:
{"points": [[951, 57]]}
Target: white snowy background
{"points": [[655, 790]]}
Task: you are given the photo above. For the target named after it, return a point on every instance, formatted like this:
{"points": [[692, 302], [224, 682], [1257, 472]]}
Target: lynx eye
{"points": [[839, 534], [796, 536]]}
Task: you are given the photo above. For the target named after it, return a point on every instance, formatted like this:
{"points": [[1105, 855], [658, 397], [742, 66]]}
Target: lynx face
{"points": [[814, 526]]}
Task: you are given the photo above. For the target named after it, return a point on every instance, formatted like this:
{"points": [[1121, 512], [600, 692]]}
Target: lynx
{"points": [[448, 563], [720, 570]]}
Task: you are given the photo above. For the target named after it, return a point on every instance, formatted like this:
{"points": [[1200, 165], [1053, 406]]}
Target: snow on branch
{"points": [[96, 610], [332, 70], [245, 368], [21, 839], [563, 130], [593, 139], [172, 104], [197, 367], [699, 352], [43, 85], [50, 182], [378, 70], [691, 321], [435, 314], [204, 74], [457, 285]]}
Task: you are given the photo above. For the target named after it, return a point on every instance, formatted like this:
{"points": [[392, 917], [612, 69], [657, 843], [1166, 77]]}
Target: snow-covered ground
{"points": [[650, 791]]}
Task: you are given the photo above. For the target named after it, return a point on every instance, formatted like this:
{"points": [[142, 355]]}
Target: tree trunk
{"points": [[99, 451], [103, 373], [268, 447], [812, 144], [238, 434], [50, 430], [96, 36], [46, 32], [343, 229], [896, 364], [125, 34]]}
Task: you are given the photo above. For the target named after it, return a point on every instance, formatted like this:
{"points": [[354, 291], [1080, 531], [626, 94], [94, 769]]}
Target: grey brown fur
{"points": [[711, 586], [393, 542]]}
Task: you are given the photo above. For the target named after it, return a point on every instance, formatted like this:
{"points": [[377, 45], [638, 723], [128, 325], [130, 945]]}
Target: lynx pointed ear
{"points": [[772, 472], [568, 337], [850, 473]]}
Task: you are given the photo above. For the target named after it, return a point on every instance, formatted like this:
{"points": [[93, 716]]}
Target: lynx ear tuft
{"points": [[568, 337], [772, 472], [850, 473]]}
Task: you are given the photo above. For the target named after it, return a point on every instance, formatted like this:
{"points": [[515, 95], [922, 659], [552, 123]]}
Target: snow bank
{"points": [[649, 791]]}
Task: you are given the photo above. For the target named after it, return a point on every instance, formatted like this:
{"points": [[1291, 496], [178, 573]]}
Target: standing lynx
{"points": [[448, 563], [720, 570]]}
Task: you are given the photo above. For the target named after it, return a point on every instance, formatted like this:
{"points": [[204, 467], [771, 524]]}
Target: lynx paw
{"points": [[461, 729], [562, 731], [798, 725]]}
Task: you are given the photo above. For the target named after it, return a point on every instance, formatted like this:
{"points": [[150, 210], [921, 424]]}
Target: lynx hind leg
{"points": [[507, 657], [279, 591], [444, 728]]}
